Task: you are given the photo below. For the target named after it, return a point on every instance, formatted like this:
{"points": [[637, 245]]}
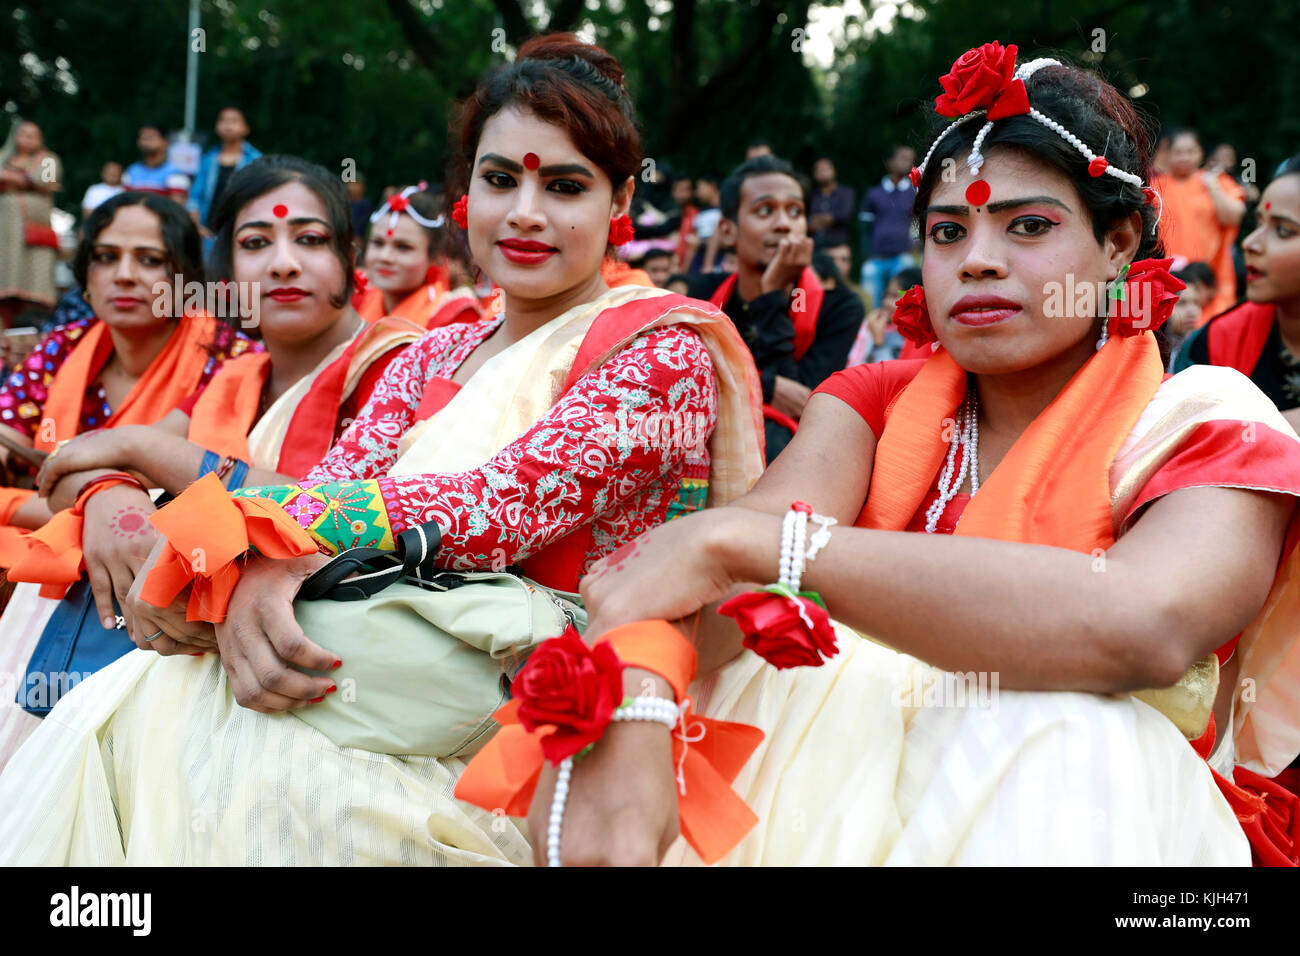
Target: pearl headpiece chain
{"points": [[975, 159], [403, 205]]}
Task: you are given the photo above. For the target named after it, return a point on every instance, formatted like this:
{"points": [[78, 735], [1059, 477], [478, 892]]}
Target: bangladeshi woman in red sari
{"points": [[518, 436], [1035, 502]]}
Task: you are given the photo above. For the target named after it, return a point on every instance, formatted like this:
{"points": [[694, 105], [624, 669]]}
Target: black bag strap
{"points": [[375, 569]]}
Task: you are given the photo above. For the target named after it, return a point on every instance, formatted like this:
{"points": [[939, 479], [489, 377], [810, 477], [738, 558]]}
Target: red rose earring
{"points": [[460, 213], [621, 230], [912, 318], [1142, 298]]}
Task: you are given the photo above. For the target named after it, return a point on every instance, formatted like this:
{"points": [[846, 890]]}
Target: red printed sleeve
{"points": [[613, 450]]}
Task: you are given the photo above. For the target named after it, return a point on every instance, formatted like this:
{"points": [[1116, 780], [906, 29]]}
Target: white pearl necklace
{"points": [[968, 437]]}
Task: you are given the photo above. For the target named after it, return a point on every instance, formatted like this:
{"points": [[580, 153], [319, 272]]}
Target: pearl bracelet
{"points": [[794, 529], [657, 709]]}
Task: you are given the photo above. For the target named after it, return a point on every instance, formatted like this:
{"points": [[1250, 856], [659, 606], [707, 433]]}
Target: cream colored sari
{"points": [[878, 758]]}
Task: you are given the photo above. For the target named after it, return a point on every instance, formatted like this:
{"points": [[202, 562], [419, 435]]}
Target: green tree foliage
{"points": [[1229, 71], [376, 80]]}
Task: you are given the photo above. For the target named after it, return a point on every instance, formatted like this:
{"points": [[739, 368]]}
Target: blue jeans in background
{"points": [[876, 273]]}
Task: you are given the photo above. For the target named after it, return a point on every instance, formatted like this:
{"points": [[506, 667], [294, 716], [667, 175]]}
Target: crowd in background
{"points": [[864, 240]]}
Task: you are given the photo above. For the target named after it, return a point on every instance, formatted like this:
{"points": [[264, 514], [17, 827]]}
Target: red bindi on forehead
{"points": [[531, 161], [977, 193], [280, 210]]}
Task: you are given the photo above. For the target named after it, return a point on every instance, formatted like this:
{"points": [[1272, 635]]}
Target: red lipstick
{"points": [[526, 252], [982, 310], [288, 294]]}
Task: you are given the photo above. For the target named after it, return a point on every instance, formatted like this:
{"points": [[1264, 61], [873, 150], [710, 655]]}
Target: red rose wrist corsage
{"points": [[783, 625], [578, 691], [785, 628], [571, 687]]}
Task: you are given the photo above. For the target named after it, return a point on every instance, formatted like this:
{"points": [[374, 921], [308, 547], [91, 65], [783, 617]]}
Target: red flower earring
{"points": [[621, 230], [460, 213], [1143, 297], [912, 318]]}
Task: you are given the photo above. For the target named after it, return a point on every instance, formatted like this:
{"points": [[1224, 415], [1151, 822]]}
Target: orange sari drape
{"points": [[1190, 227], [170, 378], [224, 415], [430, 306]]}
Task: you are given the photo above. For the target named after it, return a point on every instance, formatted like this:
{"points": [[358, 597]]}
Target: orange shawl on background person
{"points": [[172, 376], [222, 420], [1190, 227], [430, 306], [616, 272], [1054, 485]]}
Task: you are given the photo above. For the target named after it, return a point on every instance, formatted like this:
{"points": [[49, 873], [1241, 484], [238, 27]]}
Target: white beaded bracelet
{"points": [[794, 531], [657, 709]]}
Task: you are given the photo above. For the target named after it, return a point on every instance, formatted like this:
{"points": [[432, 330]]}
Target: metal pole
{"points": [[191, 73]]}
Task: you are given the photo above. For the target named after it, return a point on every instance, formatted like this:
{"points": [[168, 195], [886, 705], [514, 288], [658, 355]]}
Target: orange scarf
{"points": [[168, 381], [418, 307], [1053, 486], [170, 378], [228, 409]]}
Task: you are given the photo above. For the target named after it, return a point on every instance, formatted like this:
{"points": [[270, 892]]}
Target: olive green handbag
{"points": [[428, 655]]}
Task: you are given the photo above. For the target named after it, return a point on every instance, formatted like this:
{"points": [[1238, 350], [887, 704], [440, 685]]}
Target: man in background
{"points": [[154, 172], [832, 207], [886, 223], [233, 151], [109, 185], [797, 334]]}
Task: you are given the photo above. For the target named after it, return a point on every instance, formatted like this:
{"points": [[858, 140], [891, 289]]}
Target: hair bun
{"points": [[567, 47]]}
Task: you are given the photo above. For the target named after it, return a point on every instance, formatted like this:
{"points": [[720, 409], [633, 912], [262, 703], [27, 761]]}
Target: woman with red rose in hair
{"points": [[1026, 507]]}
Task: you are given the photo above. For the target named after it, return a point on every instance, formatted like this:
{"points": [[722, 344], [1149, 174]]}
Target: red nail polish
{"points": [[317, 700], [331, 689], [337, 664]]}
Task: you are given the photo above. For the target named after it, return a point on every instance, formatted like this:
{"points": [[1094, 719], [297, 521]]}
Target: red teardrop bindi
{"points": [[977, 193], [531, 161], [281, 211]]}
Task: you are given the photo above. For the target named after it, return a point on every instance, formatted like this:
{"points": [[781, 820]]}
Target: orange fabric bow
{"points": [[504, 774], [51, 556], [207, 532]]}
